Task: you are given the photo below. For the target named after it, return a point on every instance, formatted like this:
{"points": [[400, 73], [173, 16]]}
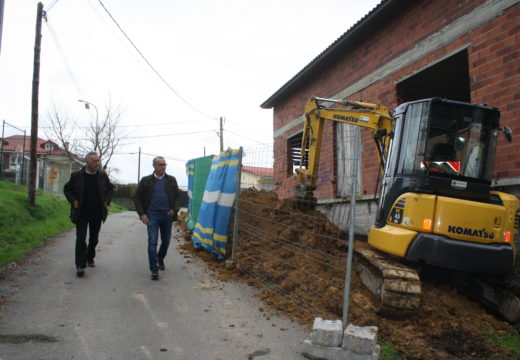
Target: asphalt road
{"points": [[117, 312]]}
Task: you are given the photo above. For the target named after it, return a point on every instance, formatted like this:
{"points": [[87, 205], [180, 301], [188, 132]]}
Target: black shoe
{"points": [[155, 275], [91, 263], [161, 265], [80, 272]]}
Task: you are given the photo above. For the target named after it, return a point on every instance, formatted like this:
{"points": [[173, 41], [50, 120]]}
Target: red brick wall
{"points": [[494, 67], [494, 59]]}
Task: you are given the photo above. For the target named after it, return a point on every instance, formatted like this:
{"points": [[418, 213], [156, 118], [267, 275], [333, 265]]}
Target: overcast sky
{"points": [[220, 57]]}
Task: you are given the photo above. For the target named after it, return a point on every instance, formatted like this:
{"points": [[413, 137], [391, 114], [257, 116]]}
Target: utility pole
{"points": [[221, 134], [1, 20], [139, 166], [34, 114], [2, 151], [23, 159]]}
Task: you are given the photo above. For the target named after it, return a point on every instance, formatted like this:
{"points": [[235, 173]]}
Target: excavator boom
{"points": [[371, 116]]}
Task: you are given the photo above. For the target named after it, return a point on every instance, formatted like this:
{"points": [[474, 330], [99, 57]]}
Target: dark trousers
{"points": [[86, 253]]}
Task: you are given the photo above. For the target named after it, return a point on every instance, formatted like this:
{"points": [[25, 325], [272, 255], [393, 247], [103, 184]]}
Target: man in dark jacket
{"points": [[157, 202], [89, 192]]}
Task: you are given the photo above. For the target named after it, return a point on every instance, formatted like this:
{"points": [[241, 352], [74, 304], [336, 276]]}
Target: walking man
{"points": [[89, 192], [157, 202]]}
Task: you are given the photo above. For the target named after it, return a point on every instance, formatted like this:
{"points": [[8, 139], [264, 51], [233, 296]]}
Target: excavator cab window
{"points": [[451, 138], [413, 138]]}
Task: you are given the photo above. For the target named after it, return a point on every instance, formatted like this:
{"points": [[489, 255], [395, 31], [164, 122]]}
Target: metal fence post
{"points": [[237, 205], [348, 272]]}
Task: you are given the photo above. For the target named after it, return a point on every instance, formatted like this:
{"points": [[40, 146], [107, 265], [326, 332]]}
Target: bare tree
{"points": [[60, 129], [101, 134]]}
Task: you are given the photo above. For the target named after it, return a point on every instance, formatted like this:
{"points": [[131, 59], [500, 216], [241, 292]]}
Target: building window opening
{"points": [[448, 79], [295, 160]]}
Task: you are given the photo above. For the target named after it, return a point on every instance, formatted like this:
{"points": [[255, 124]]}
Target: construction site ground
{"points": [[447, 326]]}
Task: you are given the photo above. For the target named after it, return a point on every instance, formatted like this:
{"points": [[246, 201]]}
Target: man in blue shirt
{"points": [[157, 202]]}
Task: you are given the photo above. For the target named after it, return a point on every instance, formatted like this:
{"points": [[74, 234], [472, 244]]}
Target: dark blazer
{"points": [[143, 194], [74, 191]]}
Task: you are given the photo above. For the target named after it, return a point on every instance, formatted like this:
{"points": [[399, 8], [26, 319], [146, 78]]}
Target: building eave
{"points": [[386, 11]]}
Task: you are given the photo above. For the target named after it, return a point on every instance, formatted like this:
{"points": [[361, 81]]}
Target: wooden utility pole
{"points": [[34, 114], [221, 135], [2, 151], [1, 20], [139, 166]]}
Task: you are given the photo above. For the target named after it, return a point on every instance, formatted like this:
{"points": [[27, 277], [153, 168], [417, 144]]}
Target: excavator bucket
{"points": [[302, 204], [303, 199]]}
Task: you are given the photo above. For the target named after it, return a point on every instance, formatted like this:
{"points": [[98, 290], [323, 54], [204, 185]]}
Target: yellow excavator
{"points": [[436, 205]]}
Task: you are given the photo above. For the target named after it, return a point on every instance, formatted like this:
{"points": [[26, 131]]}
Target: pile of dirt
{"points": [[448, 325]]}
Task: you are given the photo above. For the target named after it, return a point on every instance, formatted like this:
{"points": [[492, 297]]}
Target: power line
{"points": [[245, 137], [158, 135], [137, 125], [62, 54], [154, 155], [47, 9], [164, 124], [150, 65], [163, 135], [242, 126]]}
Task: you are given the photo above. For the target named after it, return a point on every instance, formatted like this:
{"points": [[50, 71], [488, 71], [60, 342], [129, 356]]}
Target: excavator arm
{"points": [[372, 116]]}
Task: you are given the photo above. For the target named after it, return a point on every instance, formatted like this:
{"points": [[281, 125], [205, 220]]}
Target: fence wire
{"points": [[14, 154], [294, 254]]}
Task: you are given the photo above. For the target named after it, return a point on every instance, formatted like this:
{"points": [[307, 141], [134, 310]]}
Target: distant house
{"points": [[53, 167], [259, 177]]}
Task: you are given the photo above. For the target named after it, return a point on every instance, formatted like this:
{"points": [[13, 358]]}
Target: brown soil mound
{"points": [[448, 325]]}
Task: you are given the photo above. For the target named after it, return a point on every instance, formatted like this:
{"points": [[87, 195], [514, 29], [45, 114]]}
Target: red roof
{"points": [[15, 143], [258, 171]]}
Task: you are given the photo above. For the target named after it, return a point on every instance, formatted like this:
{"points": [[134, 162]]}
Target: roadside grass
{"points": [[509, 341], [389, 353], [125, 202], [116, 208], [23, 228]]}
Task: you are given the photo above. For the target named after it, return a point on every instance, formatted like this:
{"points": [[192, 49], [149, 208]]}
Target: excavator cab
{"points": [[437, 146], [436, 204]]}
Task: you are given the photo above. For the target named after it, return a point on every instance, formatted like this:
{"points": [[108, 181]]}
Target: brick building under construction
{"points": [[403, 50]]}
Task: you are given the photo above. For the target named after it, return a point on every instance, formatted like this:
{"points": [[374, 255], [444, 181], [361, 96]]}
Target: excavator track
{"points": [[499, 294], [396, 286]]}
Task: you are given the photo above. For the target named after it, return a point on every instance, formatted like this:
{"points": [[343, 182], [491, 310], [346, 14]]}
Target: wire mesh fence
{"points": [[294, 254], [257, 168], [14, 155]]}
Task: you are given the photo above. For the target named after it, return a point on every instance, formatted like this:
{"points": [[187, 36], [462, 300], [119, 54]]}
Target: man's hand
{"points": [[75, 204], [171, 213], [144, 219]]}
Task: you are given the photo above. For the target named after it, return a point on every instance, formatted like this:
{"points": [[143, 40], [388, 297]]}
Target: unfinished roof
{"points": [[359, 32]]}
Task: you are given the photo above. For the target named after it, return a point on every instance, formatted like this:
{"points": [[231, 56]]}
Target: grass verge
{"points": [[509, 341], [23, 227], [389, 353]]}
